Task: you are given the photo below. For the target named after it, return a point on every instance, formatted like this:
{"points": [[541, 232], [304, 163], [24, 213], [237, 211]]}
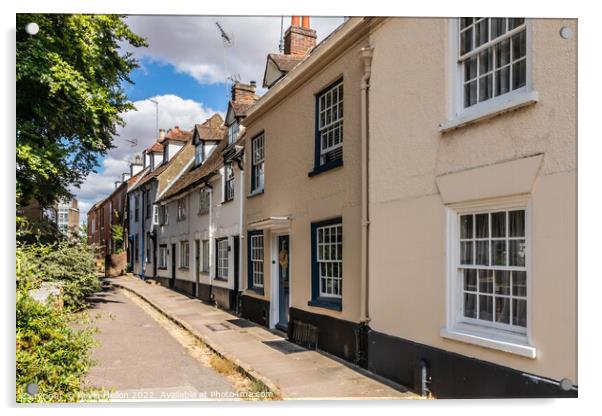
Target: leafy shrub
{"points": [[50, 351], [71, 265]]}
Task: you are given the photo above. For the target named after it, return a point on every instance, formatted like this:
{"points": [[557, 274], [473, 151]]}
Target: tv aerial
{"points": [[228, 41], [132, 142]]}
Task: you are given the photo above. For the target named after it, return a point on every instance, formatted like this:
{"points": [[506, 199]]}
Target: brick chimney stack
{"points": [[244, 93], [299, 38]]}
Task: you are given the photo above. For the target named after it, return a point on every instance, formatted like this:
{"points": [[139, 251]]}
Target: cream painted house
{"points": [[205, 206], [303, 211], [472, 203], [436, 244]]}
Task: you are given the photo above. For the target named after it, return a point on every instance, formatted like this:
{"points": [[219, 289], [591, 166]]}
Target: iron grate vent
{"points": [[305, 334]]}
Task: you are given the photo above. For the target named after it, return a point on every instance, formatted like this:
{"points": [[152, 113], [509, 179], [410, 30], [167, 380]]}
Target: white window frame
{"points": [[162, 257], [206, 256], [221, 266], [337, 123], [233, 130], [204, 201], [181, 204], [228, 179], [473, 331], [164, 215], [184, 254], [458, 115], [155, 215], [258, 161], [338, 262], [198, 154], [257, 257]]}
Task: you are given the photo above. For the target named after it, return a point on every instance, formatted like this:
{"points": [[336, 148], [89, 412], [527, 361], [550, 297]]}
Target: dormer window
{"points": [[152, 162], [198, 153], [232, 132]]}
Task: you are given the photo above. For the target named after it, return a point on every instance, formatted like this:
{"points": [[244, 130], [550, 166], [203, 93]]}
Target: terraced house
{"points": [[207, 203], [403, 197], [162, 162], [419, 219]]}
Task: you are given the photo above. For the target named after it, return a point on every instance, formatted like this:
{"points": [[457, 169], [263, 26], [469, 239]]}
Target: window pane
{"points": [[470, 280], [502, 282], [517, 253], [516, 221], [515, 22], [482, 224], [470, 305], [519, 283], [519, 74], [519, 45], [470, 69], [466, 226], [485, 281], [482, 253], [486, 308], [466, 41], [502, 310], [498, 26], [502, 81], [485, 88], [498, 251], [485, 61], [465, 21], [519, 312], [466, 252], [470, 94], [482, 32], [498, 224], [502, 53]]}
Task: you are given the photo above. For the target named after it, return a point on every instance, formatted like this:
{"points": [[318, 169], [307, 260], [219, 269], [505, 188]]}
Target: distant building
{"points": [[67, 216]]}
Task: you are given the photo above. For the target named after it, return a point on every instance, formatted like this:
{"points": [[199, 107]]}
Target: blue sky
{"points": [[159, 78], [184, 69]]}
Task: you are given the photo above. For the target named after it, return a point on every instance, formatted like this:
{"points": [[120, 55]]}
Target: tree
{"points": [[70, 98]]}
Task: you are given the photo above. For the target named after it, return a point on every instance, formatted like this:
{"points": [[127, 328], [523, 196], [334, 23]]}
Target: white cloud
{"points": [[138, 134], [193, 45]]}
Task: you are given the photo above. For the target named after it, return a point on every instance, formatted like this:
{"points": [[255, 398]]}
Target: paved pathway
{"points": [[289, 370], [139, 359]]}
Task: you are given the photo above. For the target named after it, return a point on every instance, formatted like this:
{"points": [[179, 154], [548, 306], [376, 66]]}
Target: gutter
{"points": [[366, 56]]}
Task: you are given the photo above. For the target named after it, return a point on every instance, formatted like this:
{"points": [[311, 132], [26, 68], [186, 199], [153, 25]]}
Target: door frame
{"points": [[275, 275], [172, 282]]}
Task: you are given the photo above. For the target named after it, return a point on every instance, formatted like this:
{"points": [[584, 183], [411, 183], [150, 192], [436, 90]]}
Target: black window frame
{"points": [[250, 284]]}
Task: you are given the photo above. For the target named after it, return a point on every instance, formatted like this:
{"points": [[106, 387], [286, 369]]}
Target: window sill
{"points": [[502, 344], [200, 213], [162, 268], [220, 279], [334, 304], [326, 167], [255, 192], [257, 290], [485, 112], [184, 268], [225, 201]]}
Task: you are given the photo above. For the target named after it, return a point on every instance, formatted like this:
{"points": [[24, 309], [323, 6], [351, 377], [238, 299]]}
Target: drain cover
{"points": [[217, 327], [284, 347], [241, 323]]}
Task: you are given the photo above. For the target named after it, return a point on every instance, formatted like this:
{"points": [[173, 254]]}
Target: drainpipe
{"points": [[366, 56], [142, 219]]}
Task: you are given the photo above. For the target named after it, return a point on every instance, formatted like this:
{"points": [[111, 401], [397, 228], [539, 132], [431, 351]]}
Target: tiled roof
{"points": [[241, 108], [177, 134], [197, 174], [285, 62], [155, 148], [212, 129]]}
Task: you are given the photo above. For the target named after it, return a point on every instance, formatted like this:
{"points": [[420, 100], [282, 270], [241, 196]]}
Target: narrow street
{"points": [[139, 358]]}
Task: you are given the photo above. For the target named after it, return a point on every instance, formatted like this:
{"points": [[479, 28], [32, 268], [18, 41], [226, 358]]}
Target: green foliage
{"points": [[71, 265], [41, 231], [50, 351], [117, 236], [70, 98]]}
